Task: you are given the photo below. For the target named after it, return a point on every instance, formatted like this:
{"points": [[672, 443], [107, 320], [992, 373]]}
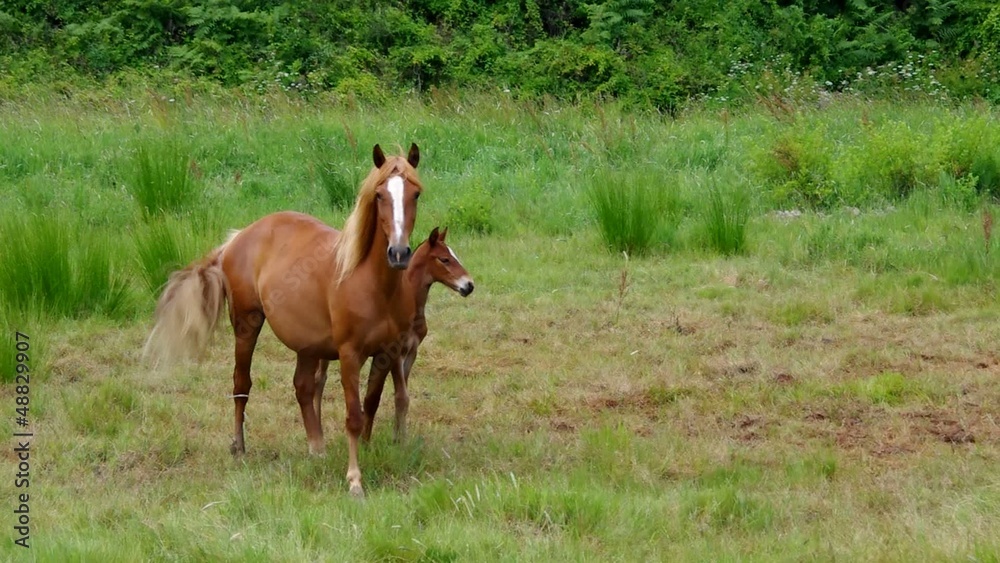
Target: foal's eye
{"points": [[416, 195], [444, 260], [378, 196]]}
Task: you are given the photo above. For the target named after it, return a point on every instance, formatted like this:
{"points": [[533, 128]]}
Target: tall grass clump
{"points": [[48, 267], [725, 217], [161, 179], [633, 211], [339, 181], [339, 178], [8, 351], [162, 247]]}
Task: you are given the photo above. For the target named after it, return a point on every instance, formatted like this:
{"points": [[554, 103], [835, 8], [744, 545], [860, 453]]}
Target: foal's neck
{"points": [[419, 284]]}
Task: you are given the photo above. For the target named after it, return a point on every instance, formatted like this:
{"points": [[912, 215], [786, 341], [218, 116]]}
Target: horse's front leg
{"points": [[350, 375]]}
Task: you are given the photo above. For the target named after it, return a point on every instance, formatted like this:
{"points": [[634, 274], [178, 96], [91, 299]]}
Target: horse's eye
{"points": [[444, 260], [416, 195], [378, 196]]}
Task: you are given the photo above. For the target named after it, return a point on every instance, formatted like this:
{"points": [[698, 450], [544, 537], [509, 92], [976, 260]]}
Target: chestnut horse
{"points": [[433, 262], [326, 296]]}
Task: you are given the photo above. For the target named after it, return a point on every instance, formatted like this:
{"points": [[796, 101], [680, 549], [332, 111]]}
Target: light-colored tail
{"points": [[188, 310]]}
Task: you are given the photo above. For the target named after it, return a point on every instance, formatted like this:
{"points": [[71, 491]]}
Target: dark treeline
{"points": [[652, 54]]}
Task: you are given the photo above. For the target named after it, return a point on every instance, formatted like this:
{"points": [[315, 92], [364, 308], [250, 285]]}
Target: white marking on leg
{"points": [[396, 192]]}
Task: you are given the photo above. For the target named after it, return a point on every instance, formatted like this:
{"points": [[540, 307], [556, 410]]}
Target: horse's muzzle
{"points": [[399, 256]]}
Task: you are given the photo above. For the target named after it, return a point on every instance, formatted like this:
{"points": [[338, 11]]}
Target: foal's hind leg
{"points": [[305, 392], [246, 327]]}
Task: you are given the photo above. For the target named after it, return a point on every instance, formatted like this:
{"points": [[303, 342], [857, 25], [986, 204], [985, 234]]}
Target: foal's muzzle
{"points": [[399, 256], [465, 289]]}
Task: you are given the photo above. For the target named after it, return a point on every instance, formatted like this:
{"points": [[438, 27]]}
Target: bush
{"points": [[799, 167]]}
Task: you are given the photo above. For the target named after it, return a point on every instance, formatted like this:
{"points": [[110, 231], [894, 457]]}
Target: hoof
{"points": [[236, 449], [357, 492]]}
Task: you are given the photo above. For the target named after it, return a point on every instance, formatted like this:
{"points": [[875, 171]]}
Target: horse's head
{"points": [[396, 201], [444, 267]]}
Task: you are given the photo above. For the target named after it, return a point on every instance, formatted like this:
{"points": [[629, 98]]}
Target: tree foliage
{"points": [[656, 54]]}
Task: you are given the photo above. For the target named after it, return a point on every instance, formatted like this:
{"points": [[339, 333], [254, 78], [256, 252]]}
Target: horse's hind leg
{"points": [[305, 392], [373, 395], [320, 384], [246, 327]]}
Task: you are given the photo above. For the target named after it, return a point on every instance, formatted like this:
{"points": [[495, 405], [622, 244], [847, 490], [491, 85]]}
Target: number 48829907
{"points": [[22, 372]]}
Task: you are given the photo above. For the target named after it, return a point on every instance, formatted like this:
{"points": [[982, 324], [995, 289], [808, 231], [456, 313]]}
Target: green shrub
{"points": [[472, 212], [799, 168], [971, 152], [896, 160]]}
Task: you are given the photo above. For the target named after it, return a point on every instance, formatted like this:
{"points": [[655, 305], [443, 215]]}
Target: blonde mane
{"points": [[359, 232]]}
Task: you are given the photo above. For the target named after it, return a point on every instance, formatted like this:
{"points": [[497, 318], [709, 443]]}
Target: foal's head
{"points": [[396, 202], [444, 267]]}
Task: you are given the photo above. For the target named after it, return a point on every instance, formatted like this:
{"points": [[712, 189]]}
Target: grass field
{"points": [[796, 358]]}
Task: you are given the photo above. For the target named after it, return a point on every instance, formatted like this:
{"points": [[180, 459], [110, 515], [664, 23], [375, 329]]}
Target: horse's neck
{"points": [[388, 278]]}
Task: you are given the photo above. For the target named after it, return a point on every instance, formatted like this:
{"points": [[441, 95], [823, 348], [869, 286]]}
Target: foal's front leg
{"points": [[402, 397], [373, 394]]}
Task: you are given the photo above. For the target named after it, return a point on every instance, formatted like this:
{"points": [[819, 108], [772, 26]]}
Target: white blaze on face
{"points": [[395, 186], [452, 252]]}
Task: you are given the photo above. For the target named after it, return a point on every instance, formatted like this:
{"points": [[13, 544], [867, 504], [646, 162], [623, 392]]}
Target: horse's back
{"points": [[281, 265]]}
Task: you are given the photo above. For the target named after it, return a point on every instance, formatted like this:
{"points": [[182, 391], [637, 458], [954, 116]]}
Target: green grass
{"points": [[816, 384]]}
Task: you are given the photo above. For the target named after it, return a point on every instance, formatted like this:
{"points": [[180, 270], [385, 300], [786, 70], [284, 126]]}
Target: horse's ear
{"points": [[378, 157], [433, 239], [413, 157], [444, 233]]}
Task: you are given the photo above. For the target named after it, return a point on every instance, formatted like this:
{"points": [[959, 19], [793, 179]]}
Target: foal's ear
{"points": [[413, 157], [444, 233], [378, 157], [435, 237]]}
